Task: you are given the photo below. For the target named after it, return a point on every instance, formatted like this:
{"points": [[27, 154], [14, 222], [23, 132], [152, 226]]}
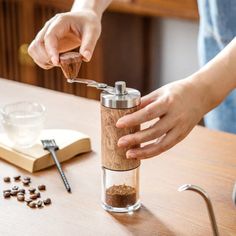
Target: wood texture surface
{"points": [[113, 157], [204, 158], [165, 8], [110, 62], [186, 9]]}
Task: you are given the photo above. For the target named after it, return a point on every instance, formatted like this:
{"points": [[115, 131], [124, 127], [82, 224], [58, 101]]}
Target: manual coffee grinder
{"points": [[120, 176]]}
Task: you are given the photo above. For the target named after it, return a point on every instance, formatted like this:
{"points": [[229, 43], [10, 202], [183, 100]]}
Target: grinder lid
{"points": [[120, 97]]}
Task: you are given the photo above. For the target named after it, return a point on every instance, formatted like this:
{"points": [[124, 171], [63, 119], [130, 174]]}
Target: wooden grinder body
{"points": [[113, 157]]}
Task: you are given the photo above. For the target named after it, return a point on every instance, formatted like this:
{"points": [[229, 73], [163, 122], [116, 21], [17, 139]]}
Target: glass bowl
{"points": [[23, 122]]}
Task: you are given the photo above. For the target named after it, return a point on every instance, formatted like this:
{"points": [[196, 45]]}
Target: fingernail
{"points": [[87, 55], [131, 154], [123, 143]]}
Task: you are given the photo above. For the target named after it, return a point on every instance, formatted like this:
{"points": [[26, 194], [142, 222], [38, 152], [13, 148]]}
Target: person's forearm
{"points": [[98, 6], [217, 78]]}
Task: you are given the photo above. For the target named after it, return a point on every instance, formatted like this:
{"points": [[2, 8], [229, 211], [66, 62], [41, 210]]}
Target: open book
{"points": [[70, 143]]}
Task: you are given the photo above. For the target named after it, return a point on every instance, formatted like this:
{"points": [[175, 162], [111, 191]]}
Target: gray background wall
{"points": [[176, 52]]}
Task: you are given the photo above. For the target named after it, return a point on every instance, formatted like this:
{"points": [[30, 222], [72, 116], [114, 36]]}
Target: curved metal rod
{"points": [[205, 196], [234, 194], [92, 83]]}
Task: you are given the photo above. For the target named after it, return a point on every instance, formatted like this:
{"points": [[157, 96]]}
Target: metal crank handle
{"points": [[81, 80], [92, 83], [70, 63]]}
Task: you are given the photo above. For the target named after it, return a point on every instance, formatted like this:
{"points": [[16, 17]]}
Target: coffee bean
{"points": [[20, 197], [25, 182], [28, 200], [32, 190], [6, 194], [33, 196], [32, 205], [47, 201], [15, 188], [14, 192], [7, 179], [6, 190], [16, 177], [22, 190], [39, 203], [41, 187], [21, 193], [27, 178]]}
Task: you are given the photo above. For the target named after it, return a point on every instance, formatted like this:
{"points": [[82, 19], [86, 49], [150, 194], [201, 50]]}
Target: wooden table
{"points": [[205, 158]]}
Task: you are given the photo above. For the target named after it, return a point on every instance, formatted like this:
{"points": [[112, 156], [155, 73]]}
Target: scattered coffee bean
{"points": [[26, 182], [16, 177], [6, 190], [41, 187], [20, 197], [27, 178], [28, 200], [32, 190], [22, 190], [6, 194], [14, 192], [7, 179], [47, 201], [39, 203], [33, 196], [15, 188], [32, 205]]}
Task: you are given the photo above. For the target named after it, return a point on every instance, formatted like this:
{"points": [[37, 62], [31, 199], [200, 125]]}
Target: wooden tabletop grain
{"points": [[204, 158]]}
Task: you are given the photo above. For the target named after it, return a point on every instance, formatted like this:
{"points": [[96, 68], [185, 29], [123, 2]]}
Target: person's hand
{"points": [[178, 106], [64, 32]]}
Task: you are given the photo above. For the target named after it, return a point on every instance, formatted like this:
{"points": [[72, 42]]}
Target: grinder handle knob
{"points": [[70, 63]]}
